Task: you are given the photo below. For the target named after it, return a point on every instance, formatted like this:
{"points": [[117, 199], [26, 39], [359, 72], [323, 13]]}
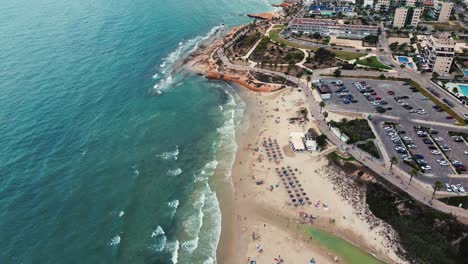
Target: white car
{"points": [[449, 189], [438, 139], [420, 132], [442, 162], [460, 188], [454, 188], [436, 152], [426, 168], [407, 139], [387, 128], [466, 152], [465, 116], [412, 146], [457, 162]]}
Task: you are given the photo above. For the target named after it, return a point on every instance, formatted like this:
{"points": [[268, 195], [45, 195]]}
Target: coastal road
{"points": [[418, 190]]}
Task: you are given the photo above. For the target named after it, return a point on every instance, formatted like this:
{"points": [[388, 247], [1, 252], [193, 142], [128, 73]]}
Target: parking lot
{"points": [[394, 98], [432, 151]]}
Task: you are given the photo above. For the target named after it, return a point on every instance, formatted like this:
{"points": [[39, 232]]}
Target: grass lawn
{"points": [[345, 55], [370, 148], [373, 62]]}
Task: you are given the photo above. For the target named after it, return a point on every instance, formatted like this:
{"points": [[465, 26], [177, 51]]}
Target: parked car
{"points": [[391, 93], [454, 188], [449, 117], [436, 152], [447, 186], [460, 188]]}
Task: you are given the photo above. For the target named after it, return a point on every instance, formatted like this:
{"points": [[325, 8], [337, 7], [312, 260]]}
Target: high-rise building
{"points": [[399, 19], [437, 53], [416, 16], [445, 11], [382, 5], [406, 17]]}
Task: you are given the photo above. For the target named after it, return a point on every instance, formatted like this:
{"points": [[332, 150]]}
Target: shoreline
{"points": [[242, 214], [248, 209]]}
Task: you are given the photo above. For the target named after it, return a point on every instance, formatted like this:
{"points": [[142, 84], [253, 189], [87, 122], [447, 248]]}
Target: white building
{"points": [[295, 139], [342, 136], [329, 27], [437, 53]]}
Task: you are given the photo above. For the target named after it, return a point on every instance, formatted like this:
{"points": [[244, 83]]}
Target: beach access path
{"points": [[397, 177]]}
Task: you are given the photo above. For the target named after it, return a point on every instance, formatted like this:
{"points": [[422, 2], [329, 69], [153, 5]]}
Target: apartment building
{"points": [[399, 18], [407, 17], [382, 5], [327, 27], [445, 11], [437, 53]]}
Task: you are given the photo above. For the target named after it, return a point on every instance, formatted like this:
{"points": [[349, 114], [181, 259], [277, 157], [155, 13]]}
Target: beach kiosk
{"points": [[296, 142]]}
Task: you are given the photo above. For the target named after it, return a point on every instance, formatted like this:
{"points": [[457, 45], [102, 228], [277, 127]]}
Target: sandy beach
{"points": [[263, 216]]}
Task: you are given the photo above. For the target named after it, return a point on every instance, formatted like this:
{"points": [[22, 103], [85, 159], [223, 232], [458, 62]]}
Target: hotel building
{"points": [[327, 27]]}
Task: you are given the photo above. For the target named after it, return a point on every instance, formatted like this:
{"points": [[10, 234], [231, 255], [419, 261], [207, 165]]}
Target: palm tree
{"points": [[413, 172], [437, 185], [393, 160], [322, 105]]}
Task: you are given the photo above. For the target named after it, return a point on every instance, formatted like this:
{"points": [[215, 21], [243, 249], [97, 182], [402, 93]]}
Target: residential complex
{"points": [[445, 11], [327, 27], [407, 17], [437, 53]]}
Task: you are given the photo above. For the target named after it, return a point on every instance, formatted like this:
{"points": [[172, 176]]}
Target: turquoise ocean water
{"points": [[93, 168]]}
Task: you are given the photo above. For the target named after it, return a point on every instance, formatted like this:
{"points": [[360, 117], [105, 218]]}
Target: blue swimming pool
{"points": [[403, 59], [410, 64], [465, 72]]}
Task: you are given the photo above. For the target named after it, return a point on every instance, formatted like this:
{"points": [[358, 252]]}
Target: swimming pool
{"points": [[462, 87], [402, 59], [410, 64], [465, 72]]}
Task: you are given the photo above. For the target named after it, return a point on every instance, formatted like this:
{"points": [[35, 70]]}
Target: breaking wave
{"points": [[175, 172], [115, 240], [164, 78], [171, 155]]}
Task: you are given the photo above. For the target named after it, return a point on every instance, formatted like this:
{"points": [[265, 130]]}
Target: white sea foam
{"points": [[174, 172], [190, 245], [158, 231], [174, 204], [159, 239], [171, 155], [115, 240], [121, 213], [166, 81], [175, 252]]}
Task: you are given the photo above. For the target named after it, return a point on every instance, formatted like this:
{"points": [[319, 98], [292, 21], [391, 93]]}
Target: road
{"points": [[397, 177]]}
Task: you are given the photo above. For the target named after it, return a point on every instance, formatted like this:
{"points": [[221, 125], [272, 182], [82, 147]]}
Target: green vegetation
{"points": [[356, 129], [269, 52], [345, 55], [245, 42], [370, 147], [456, 201], [335, 156], [371, 39], [426, 235], [373, 62]]}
